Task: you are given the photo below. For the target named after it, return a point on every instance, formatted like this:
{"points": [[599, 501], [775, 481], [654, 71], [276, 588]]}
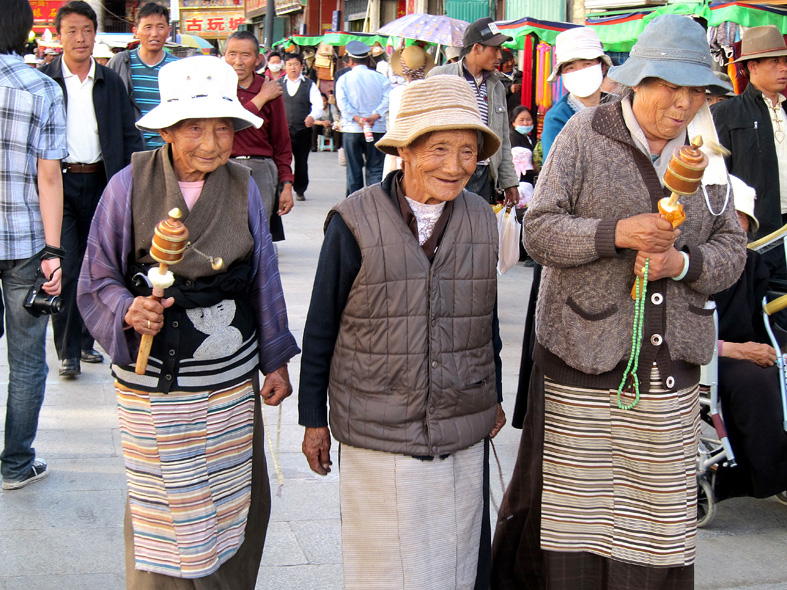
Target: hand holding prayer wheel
{"points": [[146, 313]]}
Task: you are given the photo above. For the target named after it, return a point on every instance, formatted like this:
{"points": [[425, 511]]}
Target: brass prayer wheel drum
{"points": [[169, 239], [685, 169]]}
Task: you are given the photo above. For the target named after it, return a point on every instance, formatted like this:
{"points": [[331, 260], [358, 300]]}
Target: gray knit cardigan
{"points": [[595, 176]]}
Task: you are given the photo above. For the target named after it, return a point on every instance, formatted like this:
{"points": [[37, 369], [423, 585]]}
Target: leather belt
{"points": [[76, 168]]}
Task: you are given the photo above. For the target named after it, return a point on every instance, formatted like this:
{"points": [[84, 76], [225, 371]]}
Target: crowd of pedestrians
{"points": [[402, 345]]}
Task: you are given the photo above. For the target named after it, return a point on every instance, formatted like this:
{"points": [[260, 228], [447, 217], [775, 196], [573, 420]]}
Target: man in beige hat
{"points": [[753, 126]]}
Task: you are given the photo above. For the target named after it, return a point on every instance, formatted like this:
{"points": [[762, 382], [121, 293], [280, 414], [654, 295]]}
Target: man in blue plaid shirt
{"points": [[33, 136]]}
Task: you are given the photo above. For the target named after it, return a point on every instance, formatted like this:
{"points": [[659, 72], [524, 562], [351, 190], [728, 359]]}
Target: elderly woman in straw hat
{"points": [[401, 336], [198, 495], [605, 482], [411, 63]]}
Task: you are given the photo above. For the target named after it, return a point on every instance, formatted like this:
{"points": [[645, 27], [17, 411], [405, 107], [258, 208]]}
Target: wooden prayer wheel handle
{"points": [[169, 243]]}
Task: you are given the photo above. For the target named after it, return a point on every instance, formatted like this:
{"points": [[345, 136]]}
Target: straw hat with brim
{"points": [[673, 48], [439, 103], [758, 42], [744, 196], [199, 87], [574, 44], [413, 57]]}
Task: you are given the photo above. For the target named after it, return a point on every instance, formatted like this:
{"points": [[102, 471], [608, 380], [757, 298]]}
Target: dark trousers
{"points": [[356, 151], [301, 147], [81, 193]]}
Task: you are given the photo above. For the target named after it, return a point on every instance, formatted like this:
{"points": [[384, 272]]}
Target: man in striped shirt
{"points": [[139, 67]]}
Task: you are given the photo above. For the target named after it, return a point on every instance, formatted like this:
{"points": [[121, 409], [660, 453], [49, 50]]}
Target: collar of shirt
{"points": [[67, 73], [470, 78]]}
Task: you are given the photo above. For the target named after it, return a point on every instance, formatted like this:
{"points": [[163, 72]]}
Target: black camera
{"points": [[38, 302]]}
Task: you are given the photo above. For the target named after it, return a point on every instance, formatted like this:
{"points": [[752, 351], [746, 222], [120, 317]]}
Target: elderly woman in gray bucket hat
{"points": [[604, 490], [401, 338]]}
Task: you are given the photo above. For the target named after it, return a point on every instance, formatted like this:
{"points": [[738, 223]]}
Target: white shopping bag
{"points": [[509, 229]]}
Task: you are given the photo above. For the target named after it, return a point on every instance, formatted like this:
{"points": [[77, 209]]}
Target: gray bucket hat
{"points": [[673, 48]]}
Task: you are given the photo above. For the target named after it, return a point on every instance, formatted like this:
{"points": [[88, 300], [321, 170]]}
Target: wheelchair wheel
{"points": [[782, 498], [706, 502]]}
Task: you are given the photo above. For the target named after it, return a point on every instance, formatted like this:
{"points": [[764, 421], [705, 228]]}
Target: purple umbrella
{"points": [[440, 30]]}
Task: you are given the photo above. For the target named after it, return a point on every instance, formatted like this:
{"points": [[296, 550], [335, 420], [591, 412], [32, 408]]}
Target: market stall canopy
{"points": [[544, 29], [440, 30], [335, 38], [620, 32]]}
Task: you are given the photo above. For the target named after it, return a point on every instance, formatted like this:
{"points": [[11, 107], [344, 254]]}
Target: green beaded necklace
{"points": [[636, 340]]}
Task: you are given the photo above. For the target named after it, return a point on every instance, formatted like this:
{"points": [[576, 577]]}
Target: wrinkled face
{"points": [[293, 68], [664, 110], [523, 119], [769, 74], [77, 36], [244, 58], [577, 64], [486, 57], [152, 32], [199, 146], [507, 66], [438, 165]]}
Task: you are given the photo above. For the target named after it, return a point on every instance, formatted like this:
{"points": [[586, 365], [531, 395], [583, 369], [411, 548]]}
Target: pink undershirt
{"points": [[191, 191]]}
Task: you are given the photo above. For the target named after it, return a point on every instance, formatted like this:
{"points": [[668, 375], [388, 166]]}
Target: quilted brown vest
{"points": [[413, 368]]}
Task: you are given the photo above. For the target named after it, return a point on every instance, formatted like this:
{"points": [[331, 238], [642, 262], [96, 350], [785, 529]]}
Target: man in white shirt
{"points": [[100, 137], [303, 105], [362, 97]]}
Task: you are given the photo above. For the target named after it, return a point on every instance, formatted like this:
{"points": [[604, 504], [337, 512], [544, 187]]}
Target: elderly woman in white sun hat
{"points": [[198, 493], [581, 66], [402, 336]]}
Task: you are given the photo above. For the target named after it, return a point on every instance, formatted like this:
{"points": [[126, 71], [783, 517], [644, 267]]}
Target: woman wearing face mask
{"points": [[521, 136], [581, 65]]}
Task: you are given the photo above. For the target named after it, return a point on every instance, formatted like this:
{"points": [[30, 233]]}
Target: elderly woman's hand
{"points": [[650, 232], [146, 315], [500, 421], [276, 386], [662, 265], [317, 449]]}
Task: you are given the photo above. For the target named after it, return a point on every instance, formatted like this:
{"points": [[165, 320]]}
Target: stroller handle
{"points": [[776, 305]]}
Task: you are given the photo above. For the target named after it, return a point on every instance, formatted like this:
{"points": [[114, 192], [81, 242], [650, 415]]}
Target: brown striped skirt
{"points": [[599, 493]]}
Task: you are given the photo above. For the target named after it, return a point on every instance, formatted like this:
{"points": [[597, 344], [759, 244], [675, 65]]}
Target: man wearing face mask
{"points": [[581, 65]]}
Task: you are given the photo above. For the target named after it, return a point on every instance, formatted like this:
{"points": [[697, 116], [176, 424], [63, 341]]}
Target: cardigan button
{"points": [[657, 298], [172, 352], [168, 377], [670, 382], [431, 410], [175, 324], [434, 364], [656, 340]]}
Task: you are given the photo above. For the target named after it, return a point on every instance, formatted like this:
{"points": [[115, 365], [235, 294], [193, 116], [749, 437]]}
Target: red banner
{"points": [[211, 25], [44, 12]]}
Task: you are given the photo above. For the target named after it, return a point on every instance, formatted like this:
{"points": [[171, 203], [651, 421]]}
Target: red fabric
{"points": [[528, 74], [272, 140]]}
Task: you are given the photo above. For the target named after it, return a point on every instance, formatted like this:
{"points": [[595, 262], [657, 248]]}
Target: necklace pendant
{"points": [[779, 136]]}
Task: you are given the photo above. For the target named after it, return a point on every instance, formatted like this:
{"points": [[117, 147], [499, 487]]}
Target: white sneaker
{"points": [[342, 160]]}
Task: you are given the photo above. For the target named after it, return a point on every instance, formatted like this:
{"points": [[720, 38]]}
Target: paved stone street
{"points": [[66, 532]]}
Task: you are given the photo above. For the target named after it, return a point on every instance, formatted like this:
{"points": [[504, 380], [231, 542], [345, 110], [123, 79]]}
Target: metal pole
{"points": [[270, 12]]}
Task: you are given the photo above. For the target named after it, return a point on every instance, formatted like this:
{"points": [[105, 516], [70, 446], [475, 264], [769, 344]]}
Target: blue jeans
{"points": [[26, 340], [356, 149]]}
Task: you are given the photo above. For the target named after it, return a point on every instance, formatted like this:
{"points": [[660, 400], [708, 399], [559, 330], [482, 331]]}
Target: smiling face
{"points": [[437, 166], [77, 36], [664, 110], [152, 32], [244, 58], [199, 146]]}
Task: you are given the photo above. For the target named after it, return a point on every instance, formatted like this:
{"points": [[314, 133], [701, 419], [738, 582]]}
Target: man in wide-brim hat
{"points": [[753, 126]]}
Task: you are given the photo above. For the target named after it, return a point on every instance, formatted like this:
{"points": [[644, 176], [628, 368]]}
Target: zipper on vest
{"points": [[432, 362]]}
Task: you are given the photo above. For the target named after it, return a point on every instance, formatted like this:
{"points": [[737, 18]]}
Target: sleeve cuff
{"points": [[695, 264], [605, 238], [313, 417]]}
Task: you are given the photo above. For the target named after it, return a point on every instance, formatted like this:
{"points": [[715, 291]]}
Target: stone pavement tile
{"points": [[308, 577], [107, 581], [305, 500], [37, 509], [59, 443], [61, 551], [320, 540], [78, 416], [281, 547], [85, 474]]}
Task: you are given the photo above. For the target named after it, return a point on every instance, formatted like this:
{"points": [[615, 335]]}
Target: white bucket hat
{"points": [[199, 87], [578, 43], [101, 50]]}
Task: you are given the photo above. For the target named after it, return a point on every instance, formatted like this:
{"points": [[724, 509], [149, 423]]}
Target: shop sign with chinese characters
{"points": [[211, 25]]}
